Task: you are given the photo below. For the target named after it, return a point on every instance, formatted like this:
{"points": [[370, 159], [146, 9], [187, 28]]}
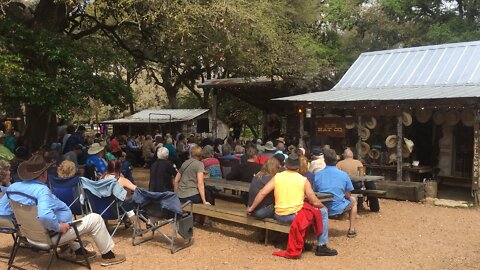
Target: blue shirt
{"points": [[51, 210], [334, 181], [99, 163]]}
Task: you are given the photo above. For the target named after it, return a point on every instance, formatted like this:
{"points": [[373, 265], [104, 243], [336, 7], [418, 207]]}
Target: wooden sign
{"points": [[331, 127]]}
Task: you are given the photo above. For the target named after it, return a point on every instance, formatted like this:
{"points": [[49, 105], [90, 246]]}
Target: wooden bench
{"points": [[240, 217], [370, 192]]}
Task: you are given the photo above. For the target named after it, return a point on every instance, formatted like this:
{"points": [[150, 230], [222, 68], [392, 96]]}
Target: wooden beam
{"points": [[214, 113], [359, 139], [476, 157], [301, 128], [399, 147]]}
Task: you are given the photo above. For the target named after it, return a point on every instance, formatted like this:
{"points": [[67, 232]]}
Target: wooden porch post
{"points": [[359, 141], [399, 147], [476, 157], [301, 143], [214, 114]]}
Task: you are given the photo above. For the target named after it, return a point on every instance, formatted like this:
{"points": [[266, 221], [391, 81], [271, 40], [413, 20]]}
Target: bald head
{"points": [[347, 153]]}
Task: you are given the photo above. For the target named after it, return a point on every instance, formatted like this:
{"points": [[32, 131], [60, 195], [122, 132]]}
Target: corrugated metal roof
{"points": [[159, 116], [428, 72]]}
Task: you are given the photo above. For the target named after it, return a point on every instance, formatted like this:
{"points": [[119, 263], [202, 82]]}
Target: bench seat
{"points": [[370, 192]]}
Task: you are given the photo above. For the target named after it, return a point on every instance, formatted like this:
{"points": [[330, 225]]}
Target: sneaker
{"points": [[351, 234], [119, 258], [323, 250], [80, 258], [307, 247]]}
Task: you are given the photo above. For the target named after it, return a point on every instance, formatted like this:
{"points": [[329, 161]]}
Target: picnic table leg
{"points": [[266, 237]]}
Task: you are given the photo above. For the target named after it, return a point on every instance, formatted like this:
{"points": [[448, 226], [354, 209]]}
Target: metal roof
{"points": [[428, 72], [159, 116]]}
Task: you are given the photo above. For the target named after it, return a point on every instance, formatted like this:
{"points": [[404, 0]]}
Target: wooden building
{"points": [[408, 112]]}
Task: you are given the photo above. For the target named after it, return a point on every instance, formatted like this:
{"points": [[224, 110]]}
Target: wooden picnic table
{"points": [[245, 187]]}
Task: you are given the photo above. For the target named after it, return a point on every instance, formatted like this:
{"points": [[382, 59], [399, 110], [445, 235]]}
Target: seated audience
{"points": [[266, 208], [245, 172], [334, 181], [162, 172], [349, 164], [290, 190], [55, 214], [212, 165], [96, 152]]}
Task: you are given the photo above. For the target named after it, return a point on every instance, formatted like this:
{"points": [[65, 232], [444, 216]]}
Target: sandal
{"points": [[351, 234]]}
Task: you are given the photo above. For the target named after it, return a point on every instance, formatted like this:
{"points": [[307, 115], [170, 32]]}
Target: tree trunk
{"points": [[171, 96], [41, 127]]}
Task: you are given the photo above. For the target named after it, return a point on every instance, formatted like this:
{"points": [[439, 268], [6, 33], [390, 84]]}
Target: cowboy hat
{"points": [[33, 168], [407, 119], [292, 162], [269, 146], [364, 148], [467, 117], [391, 141], [438, 118], [423, 115], [392, 158], [95, 148], [374, 153], [364, 133], [281, 139], [408, 145], [371, 123], [452, 117], [349, 122]]}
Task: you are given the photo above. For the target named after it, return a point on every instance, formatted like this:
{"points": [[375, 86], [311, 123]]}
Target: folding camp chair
{"points": [[107, 207], [9, 226], [35, 233], [69, 191], [182, 225]]}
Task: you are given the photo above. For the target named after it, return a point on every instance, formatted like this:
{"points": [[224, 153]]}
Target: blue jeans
{"points": [[264, 212], [323, 238]]}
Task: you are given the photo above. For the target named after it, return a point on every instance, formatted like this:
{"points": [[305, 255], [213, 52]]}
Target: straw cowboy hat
{"points": [[33, 168], [438, 118], [364, 133], [374, 153], [467, 117], [281, 139], [349, 122], [95, 148], [371, 123], [391, 141], [364, 148], [408, 145], [392, 158], [452, 117], [423, 115], [269, 146], [407, 119]]}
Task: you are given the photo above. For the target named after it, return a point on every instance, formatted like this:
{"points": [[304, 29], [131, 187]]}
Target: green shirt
{"points": [[188, 185]]}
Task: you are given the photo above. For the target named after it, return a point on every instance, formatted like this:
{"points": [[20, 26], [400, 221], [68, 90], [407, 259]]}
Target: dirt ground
{"points": [[403, 235]]}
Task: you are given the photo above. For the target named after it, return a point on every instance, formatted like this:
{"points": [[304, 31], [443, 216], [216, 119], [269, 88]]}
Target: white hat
{"points": [[467, 117], [364, 148], [269, 146], [438, 118], [392, 158], [423, 115], [452, 117], [371, 123], [364, 133], [408, 145], [95, 148], [391, 141], [349, 122], [407, 119]]}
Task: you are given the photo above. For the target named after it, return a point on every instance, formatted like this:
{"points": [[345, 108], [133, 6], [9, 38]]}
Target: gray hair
{"points": [[169, 140], [207, 151], [162, 153]]}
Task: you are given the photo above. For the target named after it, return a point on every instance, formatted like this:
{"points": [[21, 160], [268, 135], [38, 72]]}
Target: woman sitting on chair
{"points": [[114, 168]]}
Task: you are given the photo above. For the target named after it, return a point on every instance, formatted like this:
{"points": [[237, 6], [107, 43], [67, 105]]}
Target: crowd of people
{"points": [[281, 178]]}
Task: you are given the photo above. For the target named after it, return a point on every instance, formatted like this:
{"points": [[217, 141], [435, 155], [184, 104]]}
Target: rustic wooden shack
{"points": [[409, 112]]}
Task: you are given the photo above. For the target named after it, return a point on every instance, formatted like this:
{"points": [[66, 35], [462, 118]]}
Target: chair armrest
{"points": [[75, 222], [186, 203]]}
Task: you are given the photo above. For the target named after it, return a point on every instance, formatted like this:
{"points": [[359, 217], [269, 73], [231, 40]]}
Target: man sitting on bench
{"points": [[290, 189], [338, 183]]}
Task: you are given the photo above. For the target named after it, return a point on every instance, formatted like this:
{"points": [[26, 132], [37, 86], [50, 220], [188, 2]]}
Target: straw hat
{"points": [[392, 158], [374, 153], [95, 148], [408, 145], [371, 123], [467, 117], [391, 141], [364, 148], [452, 117], [349, 122], [364, 133], [407, 119], [269, 146], [438, 118], [281, 139], [423, 115]]}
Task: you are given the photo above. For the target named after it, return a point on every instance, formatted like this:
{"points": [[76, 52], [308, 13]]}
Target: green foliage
{"points": [[38, 67]]}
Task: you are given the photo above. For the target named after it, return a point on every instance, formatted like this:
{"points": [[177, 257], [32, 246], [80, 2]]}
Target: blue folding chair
{"points": [[69, 191], [107, 207]]}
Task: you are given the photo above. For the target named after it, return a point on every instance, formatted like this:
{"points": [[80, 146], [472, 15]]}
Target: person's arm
{"points": [[348, 187], [311, 197], [201, 187], [124, 182], [46, 216], [176, 181], [262, 194]]}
